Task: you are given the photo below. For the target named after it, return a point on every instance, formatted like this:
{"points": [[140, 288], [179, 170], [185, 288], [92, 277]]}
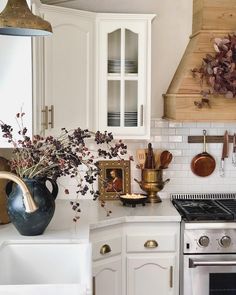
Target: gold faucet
{"points": [[28, 200]]}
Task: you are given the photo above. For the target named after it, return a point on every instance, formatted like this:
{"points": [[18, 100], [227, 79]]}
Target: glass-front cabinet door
{"points": [[124, 75]]}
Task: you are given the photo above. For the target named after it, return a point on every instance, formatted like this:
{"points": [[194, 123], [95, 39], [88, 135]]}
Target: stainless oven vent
{"points": [[202, 196]]}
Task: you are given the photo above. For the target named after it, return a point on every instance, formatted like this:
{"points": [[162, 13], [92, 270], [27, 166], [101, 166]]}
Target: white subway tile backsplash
{"points": [[161, 138], [182, 146], [157, 131], [175, 124], [176, 153], [161, 123], [185, 138], [173, 136], [168, 131], [176, 138], [203, 125], [171, 146], [217, 125], [182, 131], [152, 138], [176, 167], [189, 124], [195, 131], [181, 160], [152, 123], [212, 131], [157, 145]]}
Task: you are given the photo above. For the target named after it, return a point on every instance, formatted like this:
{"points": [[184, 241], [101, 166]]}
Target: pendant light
{"points": [[17, 19]]}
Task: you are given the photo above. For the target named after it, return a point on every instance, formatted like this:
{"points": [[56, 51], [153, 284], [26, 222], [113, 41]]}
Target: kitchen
{"points": [[172, 22]]}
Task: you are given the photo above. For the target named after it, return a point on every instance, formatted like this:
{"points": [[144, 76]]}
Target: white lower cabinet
{"points": [[107, 276], [151, 274], [136, 259]]}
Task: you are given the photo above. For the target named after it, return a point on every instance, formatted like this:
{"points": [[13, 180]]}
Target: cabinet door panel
{"points": [[107, 275], [124, 77], [68, 74], [152, 275]]}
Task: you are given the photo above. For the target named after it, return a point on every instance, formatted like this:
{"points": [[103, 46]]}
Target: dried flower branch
{"points": [[219, 70], [66, 155]]}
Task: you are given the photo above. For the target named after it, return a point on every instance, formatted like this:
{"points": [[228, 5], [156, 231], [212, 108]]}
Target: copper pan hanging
{"points": [[203, 164]]}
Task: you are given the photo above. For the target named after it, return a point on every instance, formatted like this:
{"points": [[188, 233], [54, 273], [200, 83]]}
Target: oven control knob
{"points": [[225, 241], [204, 241]]}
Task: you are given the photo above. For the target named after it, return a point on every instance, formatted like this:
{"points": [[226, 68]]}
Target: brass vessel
{"points": [[152, 182]]}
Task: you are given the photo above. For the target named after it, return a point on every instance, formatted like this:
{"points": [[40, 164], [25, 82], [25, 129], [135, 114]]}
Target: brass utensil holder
{"points": [[152, 182]]}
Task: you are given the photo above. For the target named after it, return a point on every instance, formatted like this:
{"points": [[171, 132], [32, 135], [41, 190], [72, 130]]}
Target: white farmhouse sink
{"points": [[45, 267]]}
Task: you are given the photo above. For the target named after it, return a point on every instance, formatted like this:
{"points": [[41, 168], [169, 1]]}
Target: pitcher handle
{"points": [[8, 187], [54, 187]]}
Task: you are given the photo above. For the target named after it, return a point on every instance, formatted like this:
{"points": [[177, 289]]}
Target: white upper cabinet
{"points": [[124, 68], [15, 80], [94, 72], [64, 85]]}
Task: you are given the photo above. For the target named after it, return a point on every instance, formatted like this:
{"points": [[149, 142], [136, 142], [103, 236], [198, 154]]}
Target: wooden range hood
{"points": [[211, 19]]}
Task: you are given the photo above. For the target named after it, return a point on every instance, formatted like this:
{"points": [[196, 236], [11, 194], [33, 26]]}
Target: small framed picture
{"points": [[114, 179]]}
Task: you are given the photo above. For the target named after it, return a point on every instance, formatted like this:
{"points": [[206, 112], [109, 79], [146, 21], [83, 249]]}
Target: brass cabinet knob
{"points": [[151, 244], [105, 249]]}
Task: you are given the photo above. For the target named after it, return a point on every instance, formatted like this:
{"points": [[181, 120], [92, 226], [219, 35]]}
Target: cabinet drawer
{"points": [[151, 243], [106, 248]]}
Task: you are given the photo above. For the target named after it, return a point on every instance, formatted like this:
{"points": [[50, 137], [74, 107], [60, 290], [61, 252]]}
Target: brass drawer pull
{"points": [[105, 249], [45, 117], [151, 244], [51, 110]]}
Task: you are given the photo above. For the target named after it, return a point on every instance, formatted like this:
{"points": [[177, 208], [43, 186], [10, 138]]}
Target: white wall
{"points": [[15, 78], [170, 32]]}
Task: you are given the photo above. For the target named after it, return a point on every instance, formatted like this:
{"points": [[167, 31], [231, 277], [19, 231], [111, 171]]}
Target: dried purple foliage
{"points": [[68, 154], [219, 70]]}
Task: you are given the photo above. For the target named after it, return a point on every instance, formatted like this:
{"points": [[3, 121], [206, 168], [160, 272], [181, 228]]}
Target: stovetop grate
{"points": [[203, 196], [199, 209], [229, 204]]}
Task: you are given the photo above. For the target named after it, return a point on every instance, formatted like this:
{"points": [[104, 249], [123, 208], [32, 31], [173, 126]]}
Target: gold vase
{"points": [[152, 182]]}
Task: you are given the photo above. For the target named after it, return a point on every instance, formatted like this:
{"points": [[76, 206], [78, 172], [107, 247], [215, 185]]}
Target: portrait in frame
{"points": [[114, 179]]}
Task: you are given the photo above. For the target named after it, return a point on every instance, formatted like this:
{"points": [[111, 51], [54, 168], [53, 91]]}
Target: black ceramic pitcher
{"points": [[32, 224]]}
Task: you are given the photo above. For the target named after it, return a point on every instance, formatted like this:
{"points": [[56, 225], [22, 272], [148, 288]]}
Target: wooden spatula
{"points": [[141, 156]]}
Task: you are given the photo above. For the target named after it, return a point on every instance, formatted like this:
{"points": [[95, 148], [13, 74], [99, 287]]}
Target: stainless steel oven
{"points": [[210, 274], [208, 258], [208, 243]]}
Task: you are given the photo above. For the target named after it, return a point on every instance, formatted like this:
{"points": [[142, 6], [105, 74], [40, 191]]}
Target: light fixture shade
{"points": [[17, 19]]}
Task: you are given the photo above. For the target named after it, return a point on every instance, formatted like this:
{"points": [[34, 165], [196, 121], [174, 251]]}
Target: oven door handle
{"points": [[194, 263]]}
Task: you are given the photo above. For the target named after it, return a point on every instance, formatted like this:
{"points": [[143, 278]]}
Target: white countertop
{"points": [[93, 216], [62, 229]]}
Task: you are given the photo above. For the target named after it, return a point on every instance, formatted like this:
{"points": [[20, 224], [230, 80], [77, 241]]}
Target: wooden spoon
{"points": [[157, 155], [165, 159]]}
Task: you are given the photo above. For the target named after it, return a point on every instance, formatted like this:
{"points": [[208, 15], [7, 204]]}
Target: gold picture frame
{"points": [[114, 179]]}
